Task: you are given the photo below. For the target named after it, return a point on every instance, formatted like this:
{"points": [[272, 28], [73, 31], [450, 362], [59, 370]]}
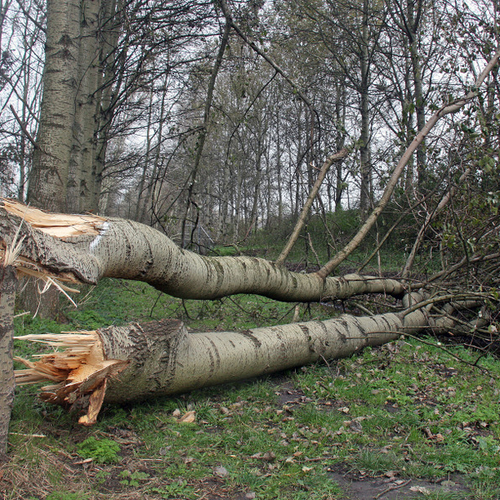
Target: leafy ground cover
{"points": [[408, 420]]}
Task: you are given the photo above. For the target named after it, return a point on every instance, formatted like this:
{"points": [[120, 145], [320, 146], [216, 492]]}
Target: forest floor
{"points": [[412, 419]]}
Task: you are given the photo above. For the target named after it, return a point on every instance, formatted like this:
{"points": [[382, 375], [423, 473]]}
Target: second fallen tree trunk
{"points": [[133, 362]]}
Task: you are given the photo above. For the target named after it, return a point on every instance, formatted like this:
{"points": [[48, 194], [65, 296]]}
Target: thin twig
{"points": [[444, 349], [391, 488]]}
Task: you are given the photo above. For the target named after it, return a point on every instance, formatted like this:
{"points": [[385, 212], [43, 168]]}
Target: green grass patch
{"points": [[407, 409]]}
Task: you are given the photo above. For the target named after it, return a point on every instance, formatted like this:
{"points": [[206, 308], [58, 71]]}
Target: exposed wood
{"points": [[88, 248], [162, 358], [57, 225]]}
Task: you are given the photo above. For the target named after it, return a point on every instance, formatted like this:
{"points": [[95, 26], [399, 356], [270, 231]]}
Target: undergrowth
{"points": [[407, 413]]}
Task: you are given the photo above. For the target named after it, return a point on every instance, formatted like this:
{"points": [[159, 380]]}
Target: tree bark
{"points": [[365, 167], [80, 184], [87, 248], [8, 285]]}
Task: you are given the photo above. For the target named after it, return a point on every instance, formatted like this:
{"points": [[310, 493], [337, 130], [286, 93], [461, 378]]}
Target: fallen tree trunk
{"points": [[139, 361], [119, 364], [86, 248]]}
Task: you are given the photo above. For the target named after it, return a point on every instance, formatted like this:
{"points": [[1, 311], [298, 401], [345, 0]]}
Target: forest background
{"points": [[210, 121]]}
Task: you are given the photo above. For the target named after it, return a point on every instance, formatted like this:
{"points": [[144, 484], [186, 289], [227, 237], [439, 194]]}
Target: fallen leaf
{"points": [[188, 418], [355, 426], [221, 471], [420, 489], [269, 456]]}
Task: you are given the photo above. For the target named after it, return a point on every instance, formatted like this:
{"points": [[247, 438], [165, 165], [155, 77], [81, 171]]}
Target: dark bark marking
{"points": [[359, 326], [219, 273], [149, 261], [307, 335], [249, 335], [128, 246]]}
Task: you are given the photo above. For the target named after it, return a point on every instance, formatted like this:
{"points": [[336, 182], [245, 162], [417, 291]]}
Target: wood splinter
{"points": [[77, 371]]}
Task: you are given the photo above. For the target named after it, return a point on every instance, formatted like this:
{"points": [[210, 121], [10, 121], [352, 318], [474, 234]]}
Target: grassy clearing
{"points": [[403, 416]]}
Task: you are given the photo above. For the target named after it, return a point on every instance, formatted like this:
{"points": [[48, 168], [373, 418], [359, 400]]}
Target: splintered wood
{"points": [[79, 370], [57, 225], [56, 366]]}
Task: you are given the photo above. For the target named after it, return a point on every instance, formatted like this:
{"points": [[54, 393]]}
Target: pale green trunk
{"points": [[49, 177], [80, 185], [124, 249], [165, 359]]}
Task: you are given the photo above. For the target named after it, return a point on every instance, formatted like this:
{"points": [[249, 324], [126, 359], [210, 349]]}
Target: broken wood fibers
{"points": [[139, 361], [58, 225]]}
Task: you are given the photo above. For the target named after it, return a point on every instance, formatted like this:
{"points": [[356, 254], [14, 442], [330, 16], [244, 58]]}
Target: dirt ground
{"points": [[30, 484]]}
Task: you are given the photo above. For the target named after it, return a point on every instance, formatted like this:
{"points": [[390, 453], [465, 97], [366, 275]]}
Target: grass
{"points": [[407, 410]]}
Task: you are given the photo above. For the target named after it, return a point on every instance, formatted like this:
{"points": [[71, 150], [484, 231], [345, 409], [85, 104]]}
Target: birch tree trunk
{"points": [[49, 177], [161, 358], [365, 168], [87, 248], [80, 187]]}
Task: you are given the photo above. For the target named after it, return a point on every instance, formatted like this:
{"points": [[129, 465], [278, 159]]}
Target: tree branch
{"points": [[307, 206], [391, 185]]}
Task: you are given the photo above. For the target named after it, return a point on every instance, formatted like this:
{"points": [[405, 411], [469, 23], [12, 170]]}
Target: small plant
{"points": [[101, 476], [132, 478], [64, 495], [176, 489], [101, 451]]}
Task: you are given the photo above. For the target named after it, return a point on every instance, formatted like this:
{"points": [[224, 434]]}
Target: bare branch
{"points": [[391, 185]]}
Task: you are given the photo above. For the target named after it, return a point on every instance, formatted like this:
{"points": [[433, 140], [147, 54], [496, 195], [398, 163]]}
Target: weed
{"points": [[176, 489], [63, 495], [377, 462], [132, 479], [101, 451]]}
